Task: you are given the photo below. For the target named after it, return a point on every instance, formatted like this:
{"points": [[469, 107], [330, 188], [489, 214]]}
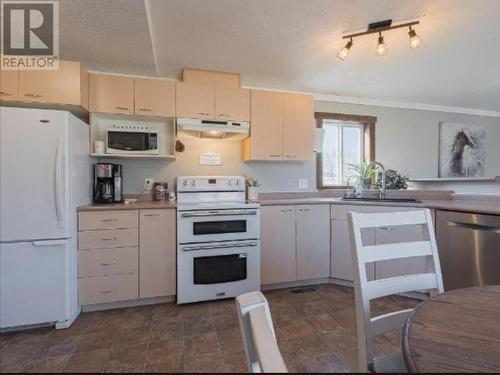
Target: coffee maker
{"points": [[108, 183]]}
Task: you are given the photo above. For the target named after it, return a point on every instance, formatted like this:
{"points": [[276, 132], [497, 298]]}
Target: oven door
{"points": [[217, 270], [218, 225]]}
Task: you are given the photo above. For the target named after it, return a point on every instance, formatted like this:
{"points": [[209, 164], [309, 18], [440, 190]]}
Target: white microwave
{"points": [[133, 140]]}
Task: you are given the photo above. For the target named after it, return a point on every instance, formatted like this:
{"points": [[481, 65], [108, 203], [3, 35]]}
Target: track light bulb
{"points": [[345, 51], [415, 40], [381, 46]]}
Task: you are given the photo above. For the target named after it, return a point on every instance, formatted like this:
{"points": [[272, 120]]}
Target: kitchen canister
{"points": [[99, 147], [252, 193], [160, 191]]}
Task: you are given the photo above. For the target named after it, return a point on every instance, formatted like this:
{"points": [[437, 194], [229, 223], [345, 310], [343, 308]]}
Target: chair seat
{"points": [[390, 363]]}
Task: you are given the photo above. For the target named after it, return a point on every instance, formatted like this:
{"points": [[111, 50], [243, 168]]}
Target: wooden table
{"points": [[457, 331]]}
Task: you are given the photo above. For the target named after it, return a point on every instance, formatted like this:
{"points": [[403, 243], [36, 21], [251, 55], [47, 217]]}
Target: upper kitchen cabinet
{"points": [[67, 85], [282, 127], [9, 84], [212, 78], [154, 97], [298, 127], [266, 132], [232, 104], [194, 100], [111, 94]]}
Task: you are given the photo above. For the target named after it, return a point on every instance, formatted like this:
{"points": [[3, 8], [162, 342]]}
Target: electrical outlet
{"points": [[302, 183], [148, 184]]}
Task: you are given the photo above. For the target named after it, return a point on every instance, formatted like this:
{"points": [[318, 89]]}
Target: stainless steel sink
{"points": [[390, 200]]}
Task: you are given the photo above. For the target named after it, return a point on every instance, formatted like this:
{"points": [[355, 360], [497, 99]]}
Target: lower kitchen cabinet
{"points": [[295, 243], [313, 241], [126, 255], [157, 253], [341, 258], [278, 255]]}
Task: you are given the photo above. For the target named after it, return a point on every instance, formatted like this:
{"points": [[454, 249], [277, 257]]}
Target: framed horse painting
{"points": [[461, 150]]}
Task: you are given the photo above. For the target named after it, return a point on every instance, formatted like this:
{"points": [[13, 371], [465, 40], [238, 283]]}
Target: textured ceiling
{"points": [[292, 44]]}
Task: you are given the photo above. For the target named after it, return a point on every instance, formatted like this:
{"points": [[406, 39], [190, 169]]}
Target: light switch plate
{"points": [[302, 183]]}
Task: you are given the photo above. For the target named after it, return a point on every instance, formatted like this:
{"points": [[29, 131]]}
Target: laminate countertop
{"points": [[473, 206], [139, 205]]}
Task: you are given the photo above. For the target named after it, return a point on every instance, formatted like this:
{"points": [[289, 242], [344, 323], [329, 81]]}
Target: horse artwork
{"points": [[461, 150]]}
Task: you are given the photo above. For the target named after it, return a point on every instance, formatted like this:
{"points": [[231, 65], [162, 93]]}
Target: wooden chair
{"points": [[259, 339], [366, 291]]}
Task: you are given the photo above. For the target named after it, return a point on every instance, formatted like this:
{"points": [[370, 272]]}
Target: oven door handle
{"points": [[220, 246], [218, 213]]}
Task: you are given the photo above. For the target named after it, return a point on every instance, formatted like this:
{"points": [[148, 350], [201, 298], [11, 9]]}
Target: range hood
{"points": [[212, 128]]}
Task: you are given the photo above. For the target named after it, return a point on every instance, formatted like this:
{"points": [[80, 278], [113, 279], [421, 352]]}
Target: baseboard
{"points": [[294, 284], [131, 303]]}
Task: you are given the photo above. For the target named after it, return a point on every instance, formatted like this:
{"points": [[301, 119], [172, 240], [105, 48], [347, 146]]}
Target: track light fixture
{"points": [[345, 51], [378, 27]]}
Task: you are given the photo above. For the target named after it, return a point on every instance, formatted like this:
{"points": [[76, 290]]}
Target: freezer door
{"points": [[34, 188], [33, 282]]}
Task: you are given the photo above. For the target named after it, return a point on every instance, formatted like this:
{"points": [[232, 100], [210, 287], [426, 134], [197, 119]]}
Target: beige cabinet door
{"points": [[154, 97], [278, 247], [298, 127], [232, 104], [266, 128], [111, 94], [405, 266], [9, 84], [62, 86], [195, 100], [341, 257], [157, 253], [313, 241]]}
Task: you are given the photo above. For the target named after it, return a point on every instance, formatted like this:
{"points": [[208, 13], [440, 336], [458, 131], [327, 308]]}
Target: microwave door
{"points": [[128, 141]]}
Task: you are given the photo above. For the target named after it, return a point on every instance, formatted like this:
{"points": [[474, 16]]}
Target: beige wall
{"points": [[406, 140]]}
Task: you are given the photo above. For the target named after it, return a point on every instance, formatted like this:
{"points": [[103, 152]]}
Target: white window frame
{"points": [[340, 160]]}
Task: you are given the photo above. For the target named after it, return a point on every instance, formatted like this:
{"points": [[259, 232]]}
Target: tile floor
{"points": [[316, 333]]}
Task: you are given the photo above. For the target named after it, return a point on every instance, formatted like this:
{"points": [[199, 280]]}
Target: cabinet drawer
{"points": [[108, 289], [108, 220], [107, 262], [105, 239]]}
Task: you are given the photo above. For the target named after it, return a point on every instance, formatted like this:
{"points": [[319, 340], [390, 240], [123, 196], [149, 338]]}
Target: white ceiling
{"points": [[292, 44]]}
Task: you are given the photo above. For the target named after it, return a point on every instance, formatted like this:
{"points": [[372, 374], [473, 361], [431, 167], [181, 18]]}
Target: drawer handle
{"points": [[108, 264], [150, 215], [122, 108], [145, 109], [109, 239], [386, 228], [5, 93], [105, 292], [275, 156], [107, 220], [33, 95]]}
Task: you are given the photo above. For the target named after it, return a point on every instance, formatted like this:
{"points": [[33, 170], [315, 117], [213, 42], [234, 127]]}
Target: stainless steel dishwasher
{"points": [[469, 249]]}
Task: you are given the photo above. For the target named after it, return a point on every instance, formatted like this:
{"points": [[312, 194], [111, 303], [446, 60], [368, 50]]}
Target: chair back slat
{"points": [[259, 338], [378, 220], [388, 322], [395, 251], [399, 284], [366, 291]]}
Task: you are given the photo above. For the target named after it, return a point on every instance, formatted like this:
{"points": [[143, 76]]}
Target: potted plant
{"points": [[363, 173], [252, 192]]}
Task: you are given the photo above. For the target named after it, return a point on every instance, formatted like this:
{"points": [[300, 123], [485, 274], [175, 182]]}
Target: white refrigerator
{"points": [[45, 174]]}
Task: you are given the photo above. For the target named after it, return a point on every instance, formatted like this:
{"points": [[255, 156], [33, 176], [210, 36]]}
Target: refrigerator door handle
{"points": [[49, 243], [57, 183]]}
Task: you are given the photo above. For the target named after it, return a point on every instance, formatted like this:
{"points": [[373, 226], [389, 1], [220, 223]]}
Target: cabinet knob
{"points": [[145, 109], [5, 93], [122, 108], [33, 95]]}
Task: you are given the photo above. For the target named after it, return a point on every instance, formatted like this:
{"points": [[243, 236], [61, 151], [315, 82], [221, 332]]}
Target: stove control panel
{"points": [[210, 183]]}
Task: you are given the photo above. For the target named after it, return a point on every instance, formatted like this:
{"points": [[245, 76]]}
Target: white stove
{"points": [[218, 239]]}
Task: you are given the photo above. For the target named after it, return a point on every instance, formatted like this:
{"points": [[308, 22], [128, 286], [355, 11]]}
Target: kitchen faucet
{"points": [[381, 193]]}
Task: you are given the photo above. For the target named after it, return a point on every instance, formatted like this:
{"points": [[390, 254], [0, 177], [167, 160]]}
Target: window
{"points": [[348, 139]]}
